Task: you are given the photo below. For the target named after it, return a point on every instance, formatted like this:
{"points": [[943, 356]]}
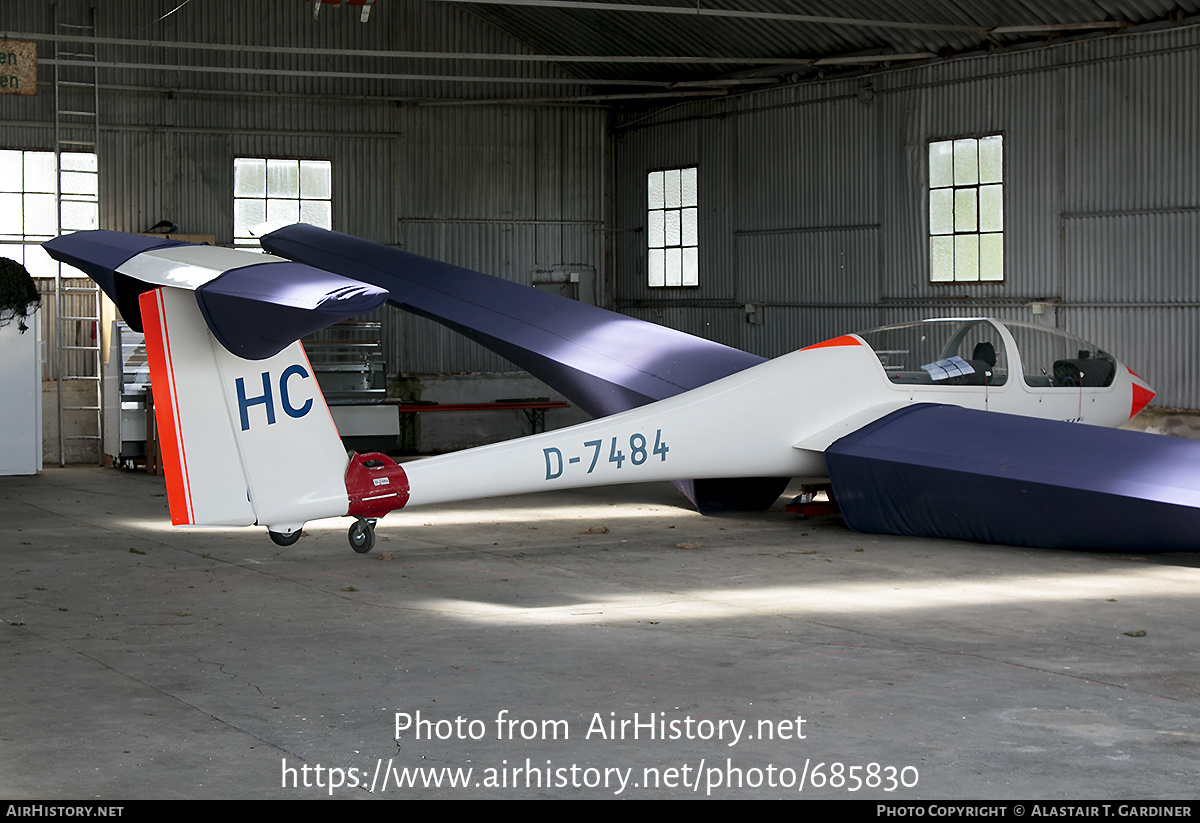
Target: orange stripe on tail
{"points": [[162, 377]]}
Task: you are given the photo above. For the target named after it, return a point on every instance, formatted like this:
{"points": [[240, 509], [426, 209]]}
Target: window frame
{"points": [[966, 256], [74, 198], [685, 226], [243, 220]]}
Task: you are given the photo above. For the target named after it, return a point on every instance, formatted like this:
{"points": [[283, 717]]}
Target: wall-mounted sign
{"points": [[18, 67]]}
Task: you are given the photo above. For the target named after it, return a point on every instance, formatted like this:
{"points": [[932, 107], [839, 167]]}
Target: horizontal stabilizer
{"points": [[254, 304], [945, 471]]}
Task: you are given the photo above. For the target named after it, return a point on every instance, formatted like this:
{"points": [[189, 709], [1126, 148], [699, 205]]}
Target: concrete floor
{"points": [[141, 661]]}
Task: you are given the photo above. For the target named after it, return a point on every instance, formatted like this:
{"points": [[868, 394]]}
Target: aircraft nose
{"points": [[1142, 393]]}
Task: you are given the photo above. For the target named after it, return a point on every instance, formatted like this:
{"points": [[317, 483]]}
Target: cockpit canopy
{"points": [[976, 351]]}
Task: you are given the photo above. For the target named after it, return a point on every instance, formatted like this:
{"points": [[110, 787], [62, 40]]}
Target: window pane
{"points": [[79, 215], [671, 192], [78, 161], [941, 164], [689, 231], [657, 267], [941, 259], [966, 162], [991, 208], [39, 171], [688, 187], [247, 213], [38, 263], [315, 179], [671, 226], [316, 213], [991, 159], [674, 276], [79, 182], [941, 211], [283, 178], [991, 257], [11, 171], [691, 266], [965, 218], [249, 177], [287, 211], [655, 188], [966, 257], [10, 214], [656, 238], [39, 214]]}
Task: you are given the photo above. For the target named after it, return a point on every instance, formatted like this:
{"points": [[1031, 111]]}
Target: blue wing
{"points": [[945, 471], [601, 361]]}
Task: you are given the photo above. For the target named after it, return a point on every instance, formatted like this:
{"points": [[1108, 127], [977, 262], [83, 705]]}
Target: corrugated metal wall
{"points": [[814, 201], [507, 190], [813, 197], [510, 192]]}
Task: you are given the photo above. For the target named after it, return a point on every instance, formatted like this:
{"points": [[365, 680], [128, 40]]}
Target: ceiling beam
{"points": [[504, 57], [699, 11]]}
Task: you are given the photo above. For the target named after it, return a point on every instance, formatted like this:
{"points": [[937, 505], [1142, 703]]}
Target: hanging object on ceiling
{"points": [[366, 7]]}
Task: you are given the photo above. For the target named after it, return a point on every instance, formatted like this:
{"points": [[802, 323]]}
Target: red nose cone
{"points": [[1141, 399]]}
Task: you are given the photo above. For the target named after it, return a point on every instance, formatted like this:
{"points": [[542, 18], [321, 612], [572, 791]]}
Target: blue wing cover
{"points": [[944, 471], [257, 311], [254, 310], [601, 361], [98, 254]]}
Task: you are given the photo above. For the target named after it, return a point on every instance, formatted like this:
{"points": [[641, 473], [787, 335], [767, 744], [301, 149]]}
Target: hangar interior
{"points": [[521, 140], [762, 173]]}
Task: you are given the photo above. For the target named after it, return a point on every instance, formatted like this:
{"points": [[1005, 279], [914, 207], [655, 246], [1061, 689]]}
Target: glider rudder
{"points": [[243, 441]]}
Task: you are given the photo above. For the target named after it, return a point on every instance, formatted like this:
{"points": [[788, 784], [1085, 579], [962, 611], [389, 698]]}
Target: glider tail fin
{"points": [[242, 441]]}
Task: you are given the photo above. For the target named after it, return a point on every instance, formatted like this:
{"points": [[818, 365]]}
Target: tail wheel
{"points": [[362, 535], [281, 539]]}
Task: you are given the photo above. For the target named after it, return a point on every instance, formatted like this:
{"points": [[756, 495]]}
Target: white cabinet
{"points": [[20, 399]]}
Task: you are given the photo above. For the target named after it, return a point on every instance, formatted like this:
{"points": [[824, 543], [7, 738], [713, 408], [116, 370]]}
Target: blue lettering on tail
{"points": [[267, 398], [244, 403], [283, 392]]}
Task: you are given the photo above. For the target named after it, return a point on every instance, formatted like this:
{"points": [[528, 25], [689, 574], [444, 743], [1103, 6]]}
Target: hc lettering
{"points": [[267, 399]]}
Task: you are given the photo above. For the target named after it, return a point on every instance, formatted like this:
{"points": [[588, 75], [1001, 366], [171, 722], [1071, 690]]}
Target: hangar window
{"points": [[280, 191], [28, 184], [672, 220], [966, 210]]}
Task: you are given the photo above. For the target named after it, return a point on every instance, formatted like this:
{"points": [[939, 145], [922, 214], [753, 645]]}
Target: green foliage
{"points": [[18, 295]]}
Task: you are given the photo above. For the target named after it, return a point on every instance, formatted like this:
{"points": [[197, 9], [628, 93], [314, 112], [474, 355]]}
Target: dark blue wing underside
{"points": [[601, 361], [944, 471]]}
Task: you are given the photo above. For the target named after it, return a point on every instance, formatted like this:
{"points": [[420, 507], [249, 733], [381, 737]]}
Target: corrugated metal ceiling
{"points": [[563, 50], [773, 30]]}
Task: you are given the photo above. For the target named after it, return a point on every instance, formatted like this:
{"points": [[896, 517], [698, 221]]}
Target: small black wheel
{"points": [[362, 536], [281, 539]]}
